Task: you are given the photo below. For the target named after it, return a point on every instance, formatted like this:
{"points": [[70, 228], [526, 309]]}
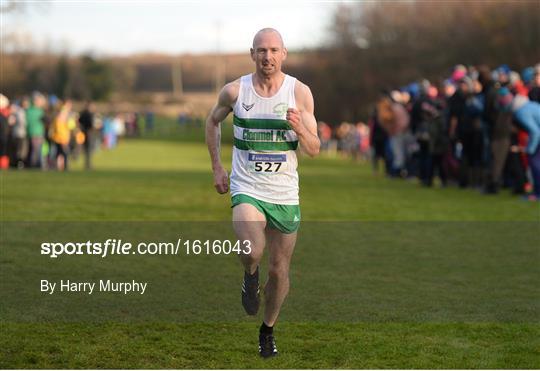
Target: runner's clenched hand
{"points": [[221, 180]]}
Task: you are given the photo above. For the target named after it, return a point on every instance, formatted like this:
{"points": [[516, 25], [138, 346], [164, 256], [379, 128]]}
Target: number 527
{"points": [[267, 167]]}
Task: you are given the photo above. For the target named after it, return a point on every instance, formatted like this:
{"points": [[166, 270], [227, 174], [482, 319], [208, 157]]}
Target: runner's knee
{"points": [[253, 257], [278, 270]]}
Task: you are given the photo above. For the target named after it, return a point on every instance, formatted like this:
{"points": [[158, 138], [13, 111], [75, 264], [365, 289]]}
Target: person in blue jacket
{"points": [[527, 115]]}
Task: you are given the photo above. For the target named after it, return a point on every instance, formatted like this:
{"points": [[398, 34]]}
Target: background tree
{"points": [[381, 45], [62, 77], [97, 77]]}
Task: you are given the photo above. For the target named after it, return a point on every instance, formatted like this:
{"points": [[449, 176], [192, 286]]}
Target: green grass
{"points": [[303, 345], [386, 274], [167, 180]]}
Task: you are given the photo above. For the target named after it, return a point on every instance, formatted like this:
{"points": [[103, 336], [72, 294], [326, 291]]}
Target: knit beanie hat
{"points": [[504, 99], [527, 75]]}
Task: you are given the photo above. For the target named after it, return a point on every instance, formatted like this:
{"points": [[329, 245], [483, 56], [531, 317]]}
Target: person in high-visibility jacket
{"points": [[60, 135]]}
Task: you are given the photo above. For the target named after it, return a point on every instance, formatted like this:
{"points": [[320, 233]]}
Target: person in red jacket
{"points": [[4, 131]]}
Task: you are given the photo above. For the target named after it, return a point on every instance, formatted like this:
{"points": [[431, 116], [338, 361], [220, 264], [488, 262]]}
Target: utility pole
{"points": [[176, 73], [220, 65]]}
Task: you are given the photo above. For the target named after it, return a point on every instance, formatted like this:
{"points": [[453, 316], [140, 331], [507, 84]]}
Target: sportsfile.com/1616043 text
{"points": [[113, 246]]}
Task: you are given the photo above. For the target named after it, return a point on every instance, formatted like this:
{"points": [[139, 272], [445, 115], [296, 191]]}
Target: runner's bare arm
{"points": [[302, 120], [219, 112]]}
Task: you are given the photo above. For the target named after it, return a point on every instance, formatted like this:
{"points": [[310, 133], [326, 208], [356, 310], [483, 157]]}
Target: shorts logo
{"points": [[296, 219], [247, 107]]}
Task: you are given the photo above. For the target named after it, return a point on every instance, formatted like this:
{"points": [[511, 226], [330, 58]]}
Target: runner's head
{"points": [[268, 51]]}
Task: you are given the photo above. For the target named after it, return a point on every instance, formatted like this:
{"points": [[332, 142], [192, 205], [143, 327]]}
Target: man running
{"points": [[273, 113]]}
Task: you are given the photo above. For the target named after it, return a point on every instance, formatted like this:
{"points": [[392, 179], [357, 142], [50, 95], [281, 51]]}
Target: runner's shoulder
{"points": [[302, 93], [229, 93]]}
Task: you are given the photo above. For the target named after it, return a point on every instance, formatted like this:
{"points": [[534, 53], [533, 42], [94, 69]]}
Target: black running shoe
{"points": [[250, 293], [267, 346]]}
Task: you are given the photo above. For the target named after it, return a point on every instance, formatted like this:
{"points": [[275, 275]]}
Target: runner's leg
{"points": [[249, 224], [280, 248]]}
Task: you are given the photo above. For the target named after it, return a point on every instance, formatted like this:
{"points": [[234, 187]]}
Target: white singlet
{"points": [[264, 159]]}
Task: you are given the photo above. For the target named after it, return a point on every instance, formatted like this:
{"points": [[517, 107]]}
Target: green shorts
{"points": [[285, 218]]}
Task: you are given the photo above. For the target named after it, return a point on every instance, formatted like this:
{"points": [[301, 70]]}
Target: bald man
{"points": [[273, 116]]}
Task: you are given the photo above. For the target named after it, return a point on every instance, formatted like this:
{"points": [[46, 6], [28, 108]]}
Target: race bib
{"points": [[267, 163]]}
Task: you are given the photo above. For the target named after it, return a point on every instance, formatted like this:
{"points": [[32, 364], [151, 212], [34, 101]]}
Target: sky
{"points": [[173, 27]]}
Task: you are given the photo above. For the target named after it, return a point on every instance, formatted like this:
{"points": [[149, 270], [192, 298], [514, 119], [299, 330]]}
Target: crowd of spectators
{"points": [[44, 132], [346, 139], [479, 128]]}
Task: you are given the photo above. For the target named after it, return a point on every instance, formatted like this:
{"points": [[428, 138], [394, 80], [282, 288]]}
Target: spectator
{"points": [[149, 120], [86, 122], [4, 131], [500, 138], [109, 132], [534, 92], [325, 134], [363, 140], [60, 136], [429, 129], [527, 114], [18, 134], [378, 139], [469, 132], [35, 129]]}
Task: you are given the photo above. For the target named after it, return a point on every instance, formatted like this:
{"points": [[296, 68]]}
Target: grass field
{"points": [[386, 274]]}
